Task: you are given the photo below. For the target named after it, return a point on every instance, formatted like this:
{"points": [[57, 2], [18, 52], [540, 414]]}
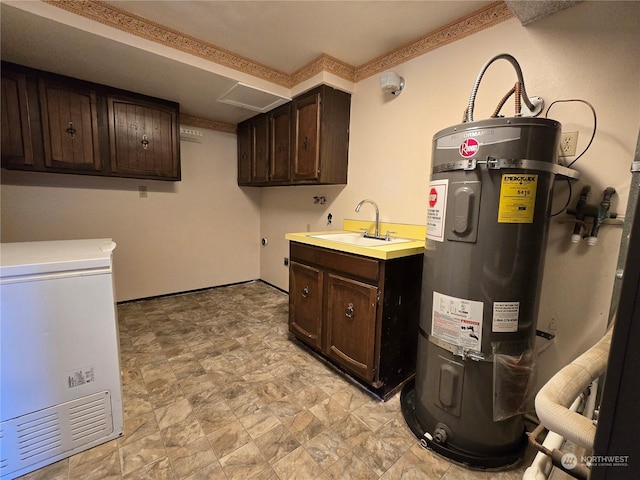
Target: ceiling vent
{"points": [[246, 96]]}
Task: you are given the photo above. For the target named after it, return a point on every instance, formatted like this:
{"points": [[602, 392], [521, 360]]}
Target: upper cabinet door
{"points": [[70, 126], [244, 153], [260, 150], [143, 139], [280, 126], [16, 143], [306, 159]]}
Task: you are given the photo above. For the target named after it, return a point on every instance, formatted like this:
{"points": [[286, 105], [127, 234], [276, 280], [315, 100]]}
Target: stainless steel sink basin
{"points": [[358, 239]]}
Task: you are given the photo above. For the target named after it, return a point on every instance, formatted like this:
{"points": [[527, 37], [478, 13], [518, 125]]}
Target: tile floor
{"points": [[214, 388]]}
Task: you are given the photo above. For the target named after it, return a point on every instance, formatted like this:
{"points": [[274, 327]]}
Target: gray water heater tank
{"points": [[489, 208]]}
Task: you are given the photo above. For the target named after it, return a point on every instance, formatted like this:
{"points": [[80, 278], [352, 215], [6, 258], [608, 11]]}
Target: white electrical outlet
{"points": [[568, 144]]}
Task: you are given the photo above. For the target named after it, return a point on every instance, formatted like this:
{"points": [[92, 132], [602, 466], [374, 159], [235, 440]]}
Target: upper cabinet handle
{"points": [[71, 131], [349, 311], [144, 142], [304, 143]]}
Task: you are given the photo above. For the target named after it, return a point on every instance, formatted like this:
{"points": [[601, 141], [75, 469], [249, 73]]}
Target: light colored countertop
{"points": [[414, 233]]}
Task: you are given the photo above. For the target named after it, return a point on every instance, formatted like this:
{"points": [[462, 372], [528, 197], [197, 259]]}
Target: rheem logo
{"points": [[469, 147]]}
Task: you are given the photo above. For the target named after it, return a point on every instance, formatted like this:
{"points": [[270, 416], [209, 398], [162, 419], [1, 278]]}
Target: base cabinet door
{"points": [[351, 324], [305, 303]]}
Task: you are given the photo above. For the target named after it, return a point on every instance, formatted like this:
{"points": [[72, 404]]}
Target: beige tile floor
{"points": [[214, 388]]}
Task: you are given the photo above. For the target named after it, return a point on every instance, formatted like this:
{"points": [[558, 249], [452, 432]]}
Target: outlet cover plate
{"points": [[568, 144]]}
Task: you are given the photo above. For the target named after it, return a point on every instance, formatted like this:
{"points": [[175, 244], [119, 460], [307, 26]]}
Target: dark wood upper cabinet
{"points": [[16, 140], [321, 136], [53, 123], [308, 141], [69, 126], [143, 138]]}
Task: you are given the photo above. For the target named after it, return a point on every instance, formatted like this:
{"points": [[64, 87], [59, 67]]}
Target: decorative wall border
{"points": [[135, 25], [141, 27], [206, 123], [473, 23]]}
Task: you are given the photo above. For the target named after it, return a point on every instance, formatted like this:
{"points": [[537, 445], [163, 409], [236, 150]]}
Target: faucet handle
{"points": [[365, 231], [387, 236]]}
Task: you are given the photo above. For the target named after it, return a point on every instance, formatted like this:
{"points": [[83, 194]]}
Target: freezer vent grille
{"points": [[33, 439], [89, 419], [39, 436], [4, 461]]}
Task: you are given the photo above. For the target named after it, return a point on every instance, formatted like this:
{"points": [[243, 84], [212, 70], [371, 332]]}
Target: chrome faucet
{"points": [[375, 233]]}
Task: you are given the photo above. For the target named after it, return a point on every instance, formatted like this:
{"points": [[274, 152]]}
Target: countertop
{"points": [[382, 252]]}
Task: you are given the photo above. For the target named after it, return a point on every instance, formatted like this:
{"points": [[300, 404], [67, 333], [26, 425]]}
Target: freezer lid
{"points": [[29, 258]]}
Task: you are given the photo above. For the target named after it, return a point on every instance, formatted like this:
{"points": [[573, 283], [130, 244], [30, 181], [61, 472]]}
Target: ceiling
{"points": [[274, 38]]}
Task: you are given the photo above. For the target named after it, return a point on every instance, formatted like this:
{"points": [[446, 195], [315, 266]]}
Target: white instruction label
{"points": [[436, 213], [505, 316], [457, 321], [80, 376]]}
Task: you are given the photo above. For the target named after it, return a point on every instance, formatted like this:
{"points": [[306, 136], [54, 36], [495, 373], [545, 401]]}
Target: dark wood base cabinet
{"points": [[358, 312]]}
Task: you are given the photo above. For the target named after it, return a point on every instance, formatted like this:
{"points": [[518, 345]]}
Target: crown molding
{"points": [[135, 25], [324, 63], [473, 23], [141, 27]]}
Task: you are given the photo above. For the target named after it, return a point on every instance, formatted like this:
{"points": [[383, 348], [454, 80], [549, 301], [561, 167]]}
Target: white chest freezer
{"points": [[60, 390]]}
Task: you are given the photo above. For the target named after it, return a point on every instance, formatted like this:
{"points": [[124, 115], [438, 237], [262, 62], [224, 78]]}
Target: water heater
{"points": [[489, 201]]}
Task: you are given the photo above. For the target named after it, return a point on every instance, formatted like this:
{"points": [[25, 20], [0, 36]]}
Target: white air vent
{"points": [[33, 438], [246, 96]]}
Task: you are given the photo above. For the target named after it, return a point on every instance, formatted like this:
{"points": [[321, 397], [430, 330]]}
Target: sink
{"points": [[357, 239]]}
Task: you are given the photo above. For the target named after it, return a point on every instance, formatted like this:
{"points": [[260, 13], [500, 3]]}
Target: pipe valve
{"points": [[598, 213]]}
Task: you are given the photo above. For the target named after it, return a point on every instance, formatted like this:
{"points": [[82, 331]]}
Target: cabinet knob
{"points": [[144, 142], [71, 131], [305, 292], [305, 142], [349, 311]]}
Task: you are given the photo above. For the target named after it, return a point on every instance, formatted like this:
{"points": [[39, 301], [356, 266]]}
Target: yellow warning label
{"points": [[517, 198]]}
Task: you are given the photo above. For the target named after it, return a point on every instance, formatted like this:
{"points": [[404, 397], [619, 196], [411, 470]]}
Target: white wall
{"points": [[197, 233], [589, 52]]}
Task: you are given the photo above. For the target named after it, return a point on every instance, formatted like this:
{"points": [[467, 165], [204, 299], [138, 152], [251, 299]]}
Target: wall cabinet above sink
{"points": [[304, 142]]}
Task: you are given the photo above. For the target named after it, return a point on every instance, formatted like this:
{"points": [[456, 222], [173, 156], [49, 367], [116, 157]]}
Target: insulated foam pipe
{"points": [[558, 394]]}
